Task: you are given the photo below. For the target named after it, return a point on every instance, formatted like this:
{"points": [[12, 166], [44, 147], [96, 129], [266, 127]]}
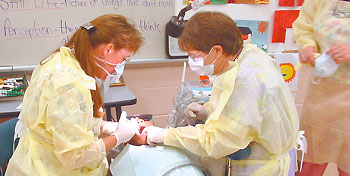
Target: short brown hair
{"points": [[206, 29]]}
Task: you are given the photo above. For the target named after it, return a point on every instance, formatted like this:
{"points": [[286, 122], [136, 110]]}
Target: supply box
{"points": [[13, 84]]}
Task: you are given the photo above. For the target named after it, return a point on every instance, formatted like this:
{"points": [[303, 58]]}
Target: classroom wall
{"points": [[263, 12], [155, 87]]}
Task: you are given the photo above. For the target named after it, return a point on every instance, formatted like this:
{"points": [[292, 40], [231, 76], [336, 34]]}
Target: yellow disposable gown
{"points": [[250, 105], [62, 132], [326, 110]]}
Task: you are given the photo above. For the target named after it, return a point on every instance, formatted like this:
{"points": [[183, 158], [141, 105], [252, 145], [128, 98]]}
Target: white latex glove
{"points": [[109, 127], [155, 134], [195, 110], [125, 130], [134, 122]]}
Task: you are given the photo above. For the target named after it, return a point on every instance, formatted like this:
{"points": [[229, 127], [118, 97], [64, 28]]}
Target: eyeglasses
{"points": [[195, 58], [127, 59], [339, 14]]}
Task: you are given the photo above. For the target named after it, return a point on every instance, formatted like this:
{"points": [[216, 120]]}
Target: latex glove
{"points": [[125, 130], [155, 134], [195, 110], [134, 123], [109, 127]]}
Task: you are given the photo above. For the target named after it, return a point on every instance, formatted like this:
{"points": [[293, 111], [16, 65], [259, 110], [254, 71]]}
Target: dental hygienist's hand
{"points": [[109, 127], [155, 134], [126, 129], [195, 110]]}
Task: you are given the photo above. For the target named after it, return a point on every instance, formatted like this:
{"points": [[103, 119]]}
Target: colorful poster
{"points": [[259, 31], [288, 63], [231, 2], [252, 1], [218, 1]]}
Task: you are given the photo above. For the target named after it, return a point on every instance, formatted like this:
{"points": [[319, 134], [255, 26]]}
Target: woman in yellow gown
{"points": [[250, 104], [324, 26], [62, 107]]}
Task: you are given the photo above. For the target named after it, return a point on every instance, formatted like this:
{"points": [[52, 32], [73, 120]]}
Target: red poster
{"points": [[300, 2], [286, 3], [283, 19]]}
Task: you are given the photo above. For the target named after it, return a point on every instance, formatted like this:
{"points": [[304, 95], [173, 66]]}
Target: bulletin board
{"points": [[256, 10], [30, 30]]}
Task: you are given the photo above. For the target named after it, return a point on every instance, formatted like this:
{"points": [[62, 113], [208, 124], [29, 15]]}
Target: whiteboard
{"points": [[30, 30]]}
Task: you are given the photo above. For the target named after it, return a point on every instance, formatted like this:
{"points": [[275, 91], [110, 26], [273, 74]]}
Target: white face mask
{"points": [[197, 65], [119, 69], [101, 84], [325, 67]]}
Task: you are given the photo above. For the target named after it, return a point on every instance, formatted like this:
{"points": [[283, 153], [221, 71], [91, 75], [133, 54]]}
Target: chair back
{"points": [[7, 130]]}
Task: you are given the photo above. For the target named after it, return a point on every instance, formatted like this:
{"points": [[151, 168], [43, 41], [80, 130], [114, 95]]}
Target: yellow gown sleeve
{"points": [[212, 141], [69, 120], [221, 137], [271, 122], [303, 29]]}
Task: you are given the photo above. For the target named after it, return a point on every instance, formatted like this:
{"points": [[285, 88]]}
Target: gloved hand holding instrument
{"points": [[126, 129]]}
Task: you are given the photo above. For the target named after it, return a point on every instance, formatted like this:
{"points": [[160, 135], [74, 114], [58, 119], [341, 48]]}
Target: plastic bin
{"points": [[14, 88]]}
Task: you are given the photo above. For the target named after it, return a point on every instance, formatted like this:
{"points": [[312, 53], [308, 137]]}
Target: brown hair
{"points": [[109, 28], [206, 29]]}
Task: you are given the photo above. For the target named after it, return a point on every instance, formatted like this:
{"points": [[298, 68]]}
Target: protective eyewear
{"points": [[196, 57]]}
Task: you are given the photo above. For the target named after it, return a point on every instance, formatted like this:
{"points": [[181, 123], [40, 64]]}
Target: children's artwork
{"points": [[286, 3], [218, 1], [300, 2], [288, 62], [283, 19], [259, 31], [186, 2], [252, 1], [290, 3]]}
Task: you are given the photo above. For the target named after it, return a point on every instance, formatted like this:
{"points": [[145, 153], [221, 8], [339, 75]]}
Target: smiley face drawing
{"points": [[288, 71]]}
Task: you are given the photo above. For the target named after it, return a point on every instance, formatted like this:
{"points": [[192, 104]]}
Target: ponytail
{"points": [[83, 48]]}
